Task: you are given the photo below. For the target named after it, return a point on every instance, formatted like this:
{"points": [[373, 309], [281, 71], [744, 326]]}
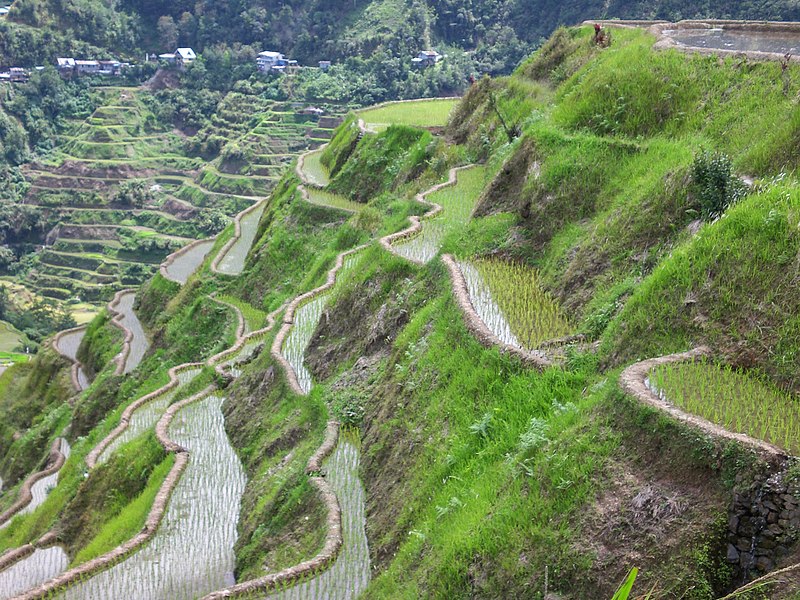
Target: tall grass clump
{"points": [[732, 399], [715, 184]]}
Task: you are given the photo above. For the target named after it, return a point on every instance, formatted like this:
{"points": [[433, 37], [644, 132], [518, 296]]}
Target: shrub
{"points": [[715, 184]]}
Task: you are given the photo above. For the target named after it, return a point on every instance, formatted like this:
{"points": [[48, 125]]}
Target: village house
{"points": [[426, 58], [87, 67], [185, 56], [324, 65], [268, 60], [18, 74], [65, 66]]}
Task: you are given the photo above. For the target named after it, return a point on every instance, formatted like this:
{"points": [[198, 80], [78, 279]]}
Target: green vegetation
{"points": [[730, 398], [430, 113]]}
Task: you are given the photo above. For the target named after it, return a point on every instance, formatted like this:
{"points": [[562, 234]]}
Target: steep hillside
{"points": [[424, 346]]}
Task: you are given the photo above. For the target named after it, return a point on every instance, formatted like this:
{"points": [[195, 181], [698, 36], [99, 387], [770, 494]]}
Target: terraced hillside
{"points": [[119, 192], [516, 354]]}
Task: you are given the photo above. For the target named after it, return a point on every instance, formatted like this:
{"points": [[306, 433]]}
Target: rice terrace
{"points": [[513, 318]]}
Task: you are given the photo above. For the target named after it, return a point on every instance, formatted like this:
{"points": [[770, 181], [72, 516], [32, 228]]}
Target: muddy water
{"points": [[187, 263], [139, 343], [34, 570], [147, 415], [68, 345], [481, 297], [233, 261], [737, 40], [192, 552]]}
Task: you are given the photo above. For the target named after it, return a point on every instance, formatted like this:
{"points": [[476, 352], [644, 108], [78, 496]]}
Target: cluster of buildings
{"points": [[182, 57], [266, 62], [69, 67]]}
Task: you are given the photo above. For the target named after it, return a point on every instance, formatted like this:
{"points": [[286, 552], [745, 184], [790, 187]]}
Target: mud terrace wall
{"points": [[416, 222], [764, 520], [76, 364], [124, 421], [122, 357], [237, 234], [55, 460], [288, 319]]}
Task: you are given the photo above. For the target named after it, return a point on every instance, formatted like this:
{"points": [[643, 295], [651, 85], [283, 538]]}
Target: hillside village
{"points": [[267, 62]]}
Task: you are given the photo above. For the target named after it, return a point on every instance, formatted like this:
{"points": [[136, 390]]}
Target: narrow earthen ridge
{"points": [[416, 222], [237, 234], [125, 419], [333, 539], [176, 255], [242, 324], [154, 518], [666, 42], [12, 556], [76, 364], [122, 357], [216, 360], [56, 460], [288, 319], [633, 382], [306, 183], [478, 328]]}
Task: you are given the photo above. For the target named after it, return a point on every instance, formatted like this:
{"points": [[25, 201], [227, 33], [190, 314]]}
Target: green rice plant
{"points": [[253, 317], [510, 300], [428, 113], [730, 398]]}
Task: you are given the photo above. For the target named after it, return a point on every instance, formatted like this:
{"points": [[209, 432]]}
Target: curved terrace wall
{"points": [[77, 366], [55, 460]]}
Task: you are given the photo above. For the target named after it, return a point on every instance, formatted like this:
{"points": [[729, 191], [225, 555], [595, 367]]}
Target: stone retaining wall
{"points": [[764, 519], [76, 364], [237, 234], [478, 328], [122, 357], [56, 460]]}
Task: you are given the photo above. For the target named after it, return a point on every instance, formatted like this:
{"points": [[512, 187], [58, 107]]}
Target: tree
{"points": [[167, 32]]}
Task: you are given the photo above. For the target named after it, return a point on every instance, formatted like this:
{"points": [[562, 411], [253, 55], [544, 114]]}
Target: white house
{"points": [[268, 60], [185, 56], [65, 65], [426, 58]]}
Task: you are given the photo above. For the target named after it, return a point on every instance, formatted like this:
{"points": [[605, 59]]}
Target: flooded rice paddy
{"points": [[139, 342], [737, 40], [233, 261], [187, 263], [192, 551], [40, 566], [488, 310], [68, 345], [349, 574], [147, 415]]}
